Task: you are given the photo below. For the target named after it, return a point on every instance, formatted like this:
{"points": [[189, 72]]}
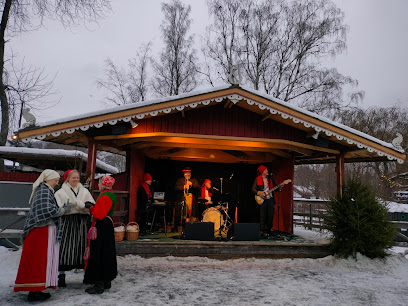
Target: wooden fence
{"points": [[310, 213]]}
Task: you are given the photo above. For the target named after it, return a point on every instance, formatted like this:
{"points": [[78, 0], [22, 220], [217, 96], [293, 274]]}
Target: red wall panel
{"points": [[217, 120]]}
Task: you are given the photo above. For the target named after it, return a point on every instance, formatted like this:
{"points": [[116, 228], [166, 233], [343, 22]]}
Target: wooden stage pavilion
{"points": [[223, 134]]}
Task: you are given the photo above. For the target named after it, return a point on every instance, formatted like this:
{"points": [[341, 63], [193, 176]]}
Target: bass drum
{"points": [[212, 214]]}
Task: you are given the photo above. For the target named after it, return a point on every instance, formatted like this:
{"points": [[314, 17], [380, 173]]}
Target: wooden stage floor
{"points": [[281, 246]]}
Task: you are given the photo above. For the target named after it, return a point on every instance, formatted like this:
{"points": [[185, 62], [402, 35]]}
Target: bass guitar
{"points": [[268, 193]]}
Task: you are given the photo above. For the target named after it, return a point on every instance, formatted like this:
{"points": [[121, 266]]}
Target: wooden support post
{"points": [[136, 172], [91, 164], [340, 173]]}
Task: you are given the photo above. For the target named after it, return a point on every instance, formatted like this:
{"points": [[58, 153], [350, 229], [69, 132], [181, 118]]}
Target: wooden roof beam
{"points": [[221, 141], [206, 146]]}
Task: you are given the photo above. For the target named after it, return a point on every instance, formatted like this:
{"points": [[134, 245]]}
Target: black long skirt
{"points": [[102, 265], [73, 242]]}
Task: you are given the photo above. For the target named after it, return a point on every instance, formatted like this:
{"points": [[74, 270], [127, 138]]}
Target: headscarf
{"points": [[46, 175], [107, 181]]}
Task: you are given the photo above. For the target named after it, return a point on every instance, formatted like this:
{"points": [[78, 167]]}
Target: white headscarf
{"points": [[46, 175]]}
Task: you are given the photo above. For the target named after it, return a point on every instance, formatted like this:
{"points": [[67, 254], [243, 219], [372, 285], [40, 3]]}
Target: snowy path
{"points": [[194, 280]]}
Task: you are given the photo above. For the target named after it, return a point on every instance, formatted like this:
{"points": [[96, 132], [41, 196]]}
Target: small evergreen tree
{"points": [[358, 223]]}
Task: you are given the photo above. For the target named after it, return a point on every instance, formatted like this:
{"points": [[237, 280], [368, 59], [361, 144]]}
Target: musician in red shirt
{"points": [[262, 184], [144, 202]]}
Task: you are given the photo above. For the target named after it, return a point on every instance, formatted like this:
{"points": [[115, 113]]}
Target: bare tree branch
{"points": [[176, 70]]}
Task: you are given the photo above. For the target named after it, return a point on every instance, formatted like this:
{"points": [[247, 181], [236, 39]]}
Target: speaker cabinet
{"points": [[203, 231], [246, 231]]}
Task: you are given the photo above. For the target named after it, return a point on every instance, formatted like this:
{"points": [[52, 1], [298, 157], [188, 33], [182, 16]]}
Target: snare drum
{"points": [[213, 214]]}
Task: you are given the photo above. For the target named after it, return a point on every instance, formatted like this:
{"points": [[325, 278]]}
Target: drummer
{"points": [[206, 193]]}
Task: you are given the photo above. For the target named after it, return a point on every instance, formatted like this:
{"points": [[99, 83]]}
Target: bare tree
{"points": [[222, 37], [382, 123], [281, 46], [259, 25], [116, 84], [317, 180], [24, 15], [138, 74], [176, 69], [27, 87], [124, 87]]}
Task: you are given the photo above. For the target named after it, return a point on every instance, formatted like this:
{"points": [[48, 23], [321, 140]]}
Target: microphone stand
{"points": [[277, 203], [184, 212], [183, 221]]}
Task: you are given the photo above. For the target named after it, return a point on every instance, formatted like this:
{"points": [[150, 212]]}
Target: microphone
{"points": [[215, 188], [232, 174]]}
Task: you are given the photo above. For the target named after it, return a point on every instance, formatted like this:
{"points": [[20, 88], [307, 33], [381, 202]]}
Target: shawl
{"points": [[43, 208], [79, 195], [147, 189], [260, 182]]}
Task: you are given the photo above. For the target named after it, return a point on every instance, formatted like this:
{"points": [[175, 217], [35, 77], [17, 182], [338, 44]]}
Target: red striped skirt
{"points": [[38, 267]]}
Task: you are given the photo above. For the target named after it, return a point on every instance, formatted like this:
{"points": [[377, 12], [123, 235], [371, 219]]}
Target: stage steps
{"points": [[272, 248]]}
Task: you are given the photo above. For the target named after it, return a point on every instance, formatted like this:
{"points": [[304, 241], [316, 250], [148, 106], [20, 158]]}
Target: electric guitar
{"points": [[268, 193]]}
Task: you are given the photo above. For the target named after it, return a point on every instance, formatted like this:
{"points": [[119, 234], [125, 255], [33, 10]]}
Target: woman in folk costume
{"points": [[74, 224], [38, 267], [101, 266]]}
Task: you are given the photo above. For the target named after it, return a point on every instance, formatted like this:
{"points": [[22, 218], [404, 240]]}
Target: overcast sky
{"points": [[376, 56]]}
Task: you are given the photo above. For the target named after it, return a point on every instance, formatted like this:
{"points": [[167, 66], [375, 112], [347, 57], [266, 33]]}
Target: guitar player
{"points": [[262, 183]]}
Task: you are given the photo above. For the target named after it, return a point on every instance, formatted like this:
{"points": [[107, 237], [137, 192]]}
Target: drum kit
{"points": [[218, 214]]}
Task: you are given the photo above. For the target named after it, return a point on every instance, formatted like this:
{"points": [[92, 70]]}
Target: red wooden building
{"points": [[223, 134]]}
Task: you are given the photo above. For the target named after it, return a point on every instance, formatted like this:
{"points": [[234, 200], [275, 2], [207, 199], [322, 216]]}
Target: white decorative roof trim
{"points": [[234, 98], [318, 128]]}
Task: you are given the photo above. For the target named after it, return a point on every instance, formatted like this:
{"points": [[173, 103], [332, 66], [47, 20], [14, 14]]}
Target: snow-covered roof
{"points": [[397, 207], [285, 110], [55, 153]]}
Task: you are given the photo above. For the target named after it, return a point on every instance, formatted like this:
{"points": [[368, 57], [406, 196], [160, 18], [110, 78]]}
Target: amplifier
{"points": [[203, 231], [246, 231]]}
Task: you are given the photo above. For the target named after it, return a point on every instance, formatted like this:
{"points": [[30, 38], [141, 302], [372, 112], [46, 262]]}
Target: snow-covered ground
{"points": [[203, 281]]}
